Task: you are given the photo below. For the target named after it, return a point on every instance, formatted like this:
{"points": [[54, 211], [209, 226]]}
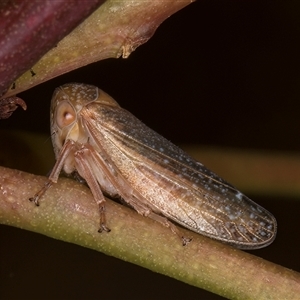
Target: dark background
{"points": [[218, 73]]}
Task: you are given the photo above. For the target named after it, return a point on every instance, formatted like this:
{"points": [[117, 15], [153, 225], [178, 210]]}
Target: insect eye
{"points": [[65, 114]]}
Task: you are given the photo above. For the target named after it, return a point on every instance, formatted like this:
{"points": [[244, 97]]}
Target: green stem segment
{"points": [[69, 213]]}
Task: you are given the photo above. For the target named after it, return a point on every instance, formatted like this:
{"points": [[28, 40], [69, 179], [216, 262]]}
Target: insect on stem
{"points": [[117, 155]]}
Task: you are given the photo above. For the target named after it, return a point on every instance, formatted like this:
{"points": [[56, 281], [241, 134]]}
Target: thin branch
{"points": [[68, 212]]}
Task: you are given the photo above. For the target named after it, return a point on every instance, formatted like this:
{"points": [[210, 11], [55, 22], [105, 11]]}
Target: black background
{"points": [[218, 73]]}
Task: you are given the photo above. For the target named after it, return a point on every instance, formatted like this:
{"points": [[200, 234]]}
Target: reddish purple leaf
{"points": [[30, 28]]}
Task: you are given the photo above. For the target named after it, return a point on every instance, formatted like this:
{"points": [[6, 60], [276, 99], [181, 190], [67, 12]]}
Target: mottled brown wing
{"points": [[210, 205]]}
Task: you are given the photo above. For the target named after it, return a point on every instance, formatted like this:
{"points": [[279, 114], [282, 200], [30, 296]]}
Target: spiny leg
{"points": [[164, 221], [64, 153], [40, 193], [86, 171]]}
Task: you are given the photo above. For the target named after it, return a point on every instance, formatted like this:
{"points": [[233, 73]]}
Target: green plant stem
{"points": [[116, 29], [69, 213]]}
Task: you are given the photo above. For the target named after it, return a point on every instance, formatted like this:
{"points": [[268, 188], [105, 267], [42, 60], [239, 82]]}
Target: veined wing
{"points": [[198, 199]]}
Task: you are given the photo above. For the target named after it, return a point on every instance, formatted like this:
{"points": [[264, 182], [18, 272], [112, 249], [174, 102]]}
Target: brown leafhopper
{"points": [[118, 155]]}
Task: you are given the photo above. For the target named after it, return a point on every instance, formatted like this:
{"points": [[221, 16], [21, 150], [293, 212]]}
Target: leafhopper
{"points": [[117, 155]]}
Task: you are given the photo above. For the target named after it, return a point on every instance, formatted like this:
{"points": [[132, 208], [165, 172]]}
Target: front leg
{"points": [[68, 147]]}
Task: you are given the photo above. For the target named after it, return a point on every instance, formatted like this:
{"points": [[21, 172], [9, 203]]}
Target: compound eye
{"points": [[65, 114]]}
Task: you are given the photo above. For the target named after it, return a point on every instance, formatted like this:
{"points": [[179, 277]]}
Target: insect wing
{"points": [[177, 186]]}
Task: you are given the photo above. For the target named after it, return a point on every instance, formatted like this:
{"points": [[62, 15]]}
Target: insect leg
{"points": [[131, 196], [164, 221], [64, 153], [86, 171], [40, 193]]}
